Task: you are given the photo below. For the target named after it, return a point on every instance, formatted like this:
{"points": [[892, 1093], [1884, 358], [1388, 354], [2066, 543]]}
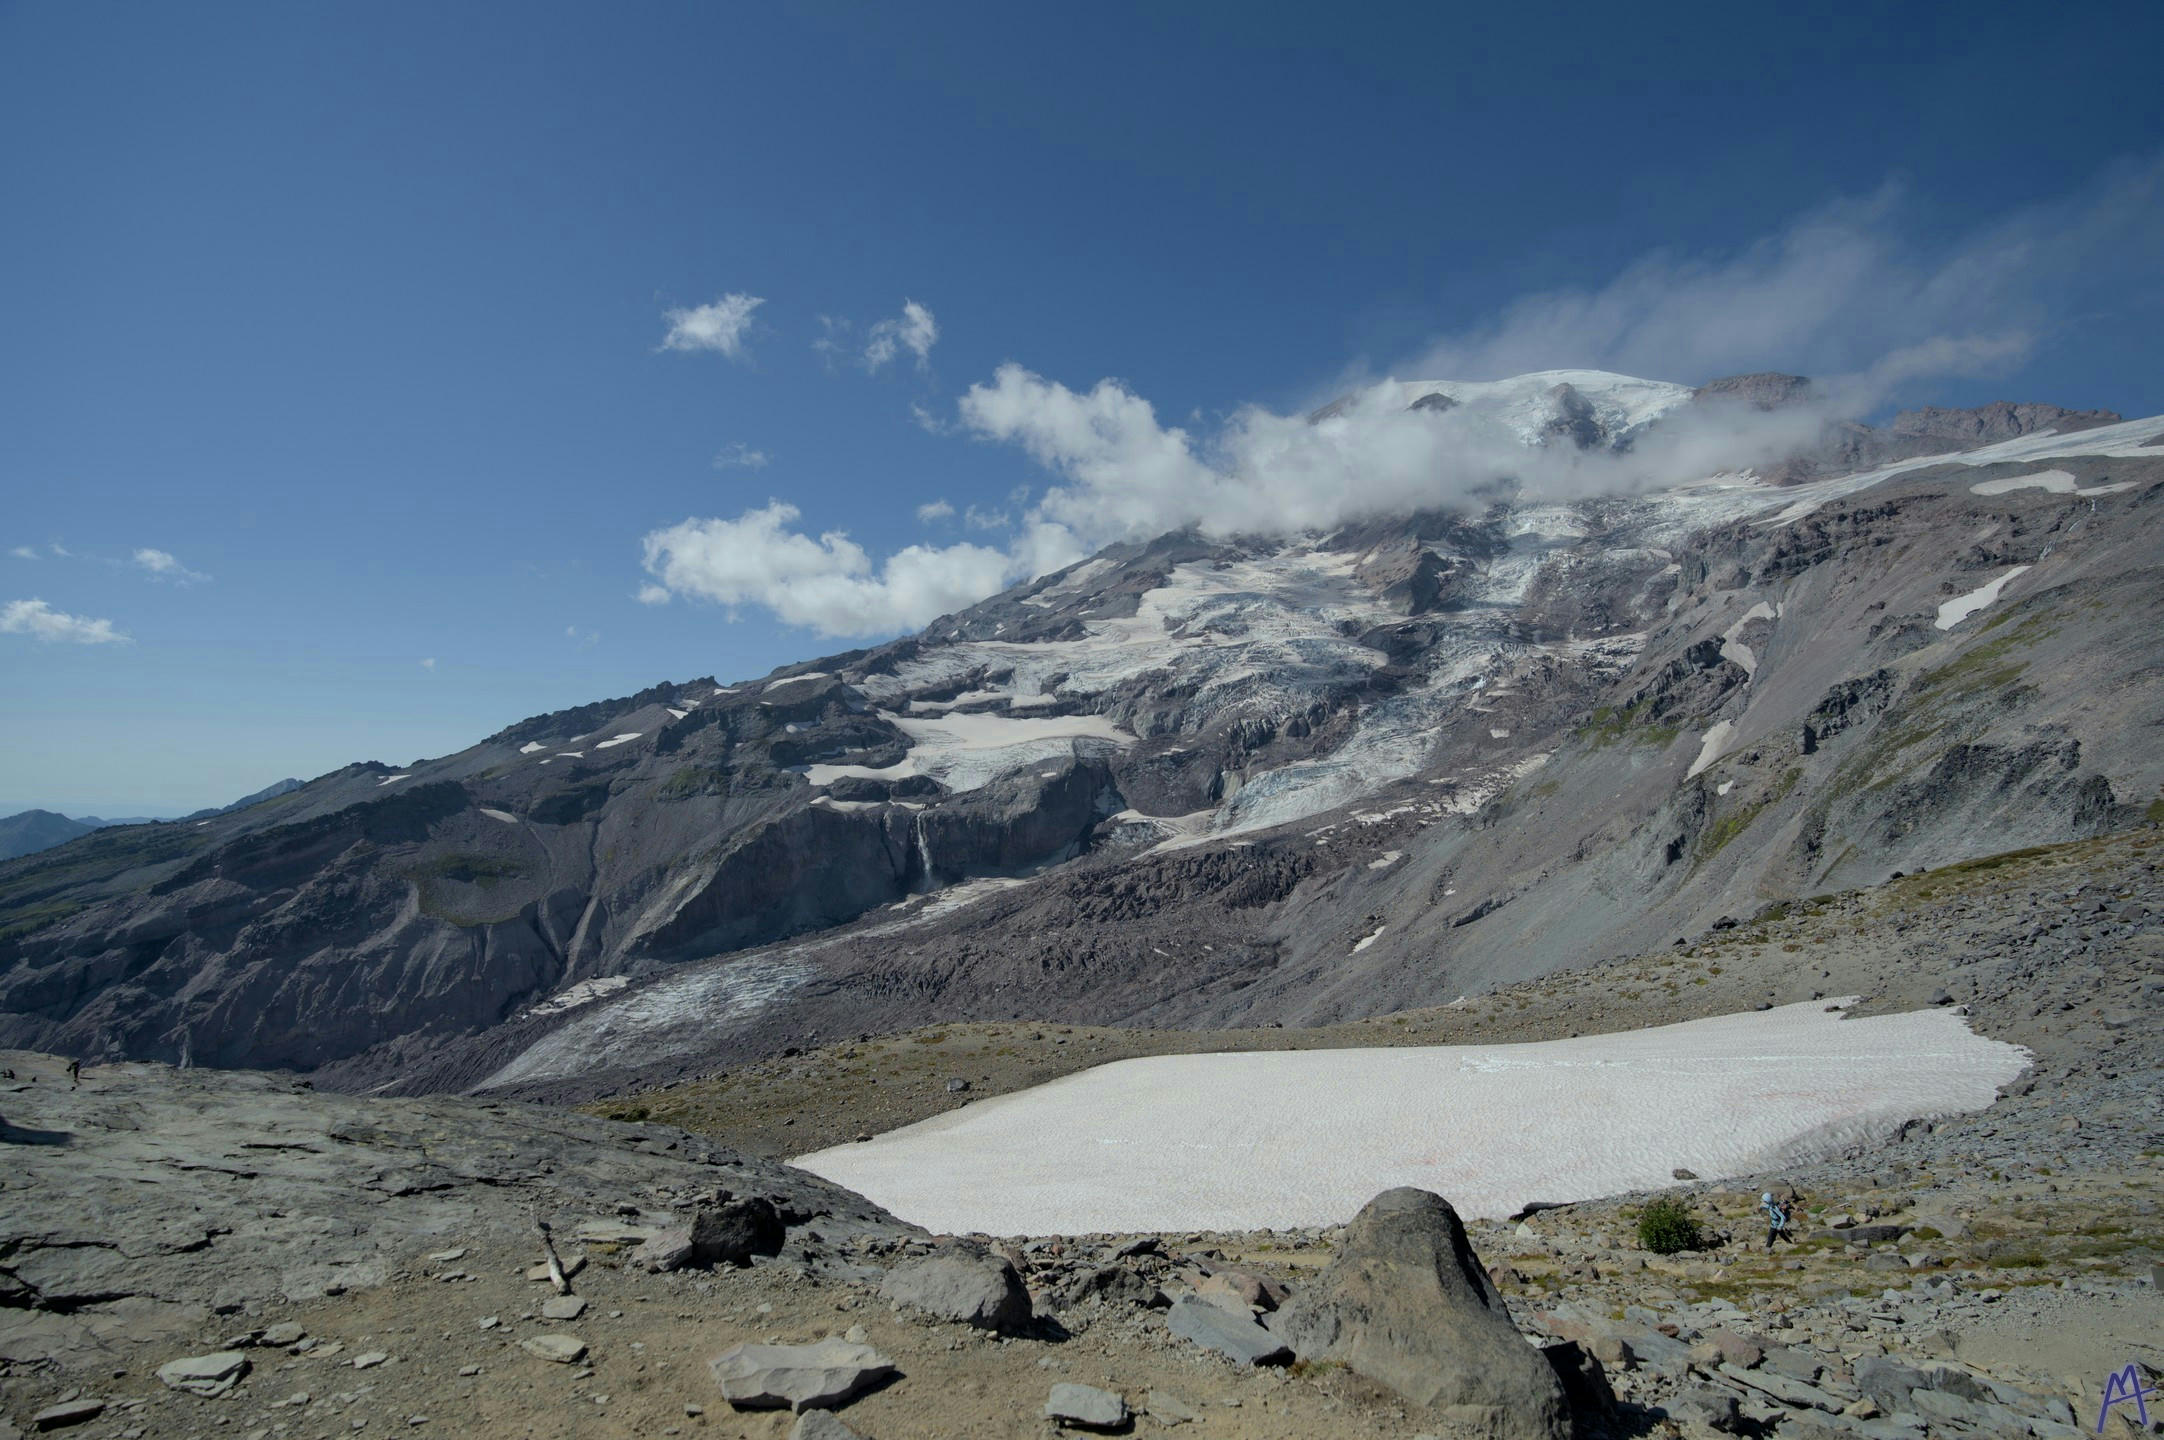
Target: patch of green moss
{"points": [[693, 780], [467, 868], [1612, 725], [1735, 822]]}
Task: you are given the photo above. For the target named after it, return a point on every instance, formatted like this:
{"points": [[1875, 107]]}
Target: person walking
{"points": [[1776, 1219]]}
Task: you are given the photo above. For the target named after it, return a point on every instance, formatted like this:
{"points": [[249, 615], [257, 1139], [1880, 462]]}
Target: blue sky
{"points": [[334, 365]]}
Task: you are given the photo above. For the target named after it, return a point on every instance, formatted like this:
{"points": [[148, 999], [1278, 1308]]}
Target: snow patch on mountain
{"points": [[1301, 1138]]}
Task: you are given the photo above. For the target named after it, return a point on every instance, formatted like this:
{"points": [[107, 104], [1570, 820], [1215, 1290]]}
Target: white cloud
{"points": [[827, 584], [977, 519], [61, 550], [653, 595], [38, 619], [934, 510], [584, 639], [1836, 293], [429, 663], [23, 552], [913, 330], [739, 456], [926, 421], [722, 326], [1841, 294], [161, 565]]}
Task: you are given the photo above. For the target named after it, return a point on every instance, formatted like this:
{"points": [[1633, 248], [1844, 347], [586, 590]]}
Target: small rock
{"points": [[1682, 1174], [1167, 1409], [1715, 1409], [66, 1413], [957, 1085], [205, 1374], [820, 1425], [1236, 1336], [283, 1335], [563, 1349], [490, 1322], [1086, 1406], [369, 1360], [469, 1371], [445, 1257], [563, 1307], [800, 1377]]}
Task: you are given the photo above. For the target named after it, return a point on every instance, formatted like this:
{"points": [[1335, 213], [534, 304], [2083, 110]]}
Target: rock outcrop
{"points": [[1407, 1303]]}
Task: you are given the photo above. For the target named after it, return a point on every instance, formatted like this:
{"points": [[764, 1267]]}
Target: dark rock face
{"points": [[1574, 419], [1989, 424], [1762, 390], [1408, 1304]]}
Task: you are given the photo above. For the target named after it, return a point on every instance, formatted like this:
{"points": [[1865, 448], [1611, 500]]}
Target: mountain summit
{"points": [[1193, 780]]}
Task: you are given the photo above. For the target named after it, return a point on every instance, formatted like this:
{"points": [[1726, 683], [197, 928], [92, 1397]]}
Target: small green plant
{"points": [[1667, 1226]]}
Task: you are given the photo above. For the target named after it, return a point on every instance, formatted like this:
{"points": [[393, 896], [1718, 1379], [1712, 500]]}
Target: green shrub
{"points": [[1667, 1225]]}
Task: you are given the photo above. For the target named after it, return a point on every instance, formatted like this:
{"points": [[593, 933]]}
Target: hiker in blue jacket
{"points": [[1776, 1219]]}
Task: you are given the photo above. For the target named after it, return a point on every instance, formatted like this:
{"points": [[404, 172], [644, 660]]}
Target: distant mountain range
{"points": [[30, 831], [1202, 780]]}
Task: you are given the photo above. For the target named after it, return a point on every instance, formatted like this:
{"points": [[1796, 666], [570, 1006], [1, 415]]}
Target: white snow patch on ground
{"points": [[2058, 482], [530, 747], [1711, 747], [2123, 441], [678, 714], [624, 739], [964, 752], [1304, 1138], [504, 815], [1387, 859], [389, 778], [571, 997], [1961, 607], [1724, 787], [673, 1017], [2112, 489], [1735, 650], [1369, 939]]}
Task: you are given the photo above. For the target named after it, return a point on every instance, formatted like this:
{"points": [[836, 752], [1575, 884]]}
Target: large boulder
{"points": [[1408, 1304], [962, 1284], [729, 1233]]}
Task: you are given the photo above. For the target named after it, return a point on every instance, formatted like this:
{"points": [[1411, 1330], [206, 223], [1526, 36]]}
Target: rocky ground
{"points": [[1981, 1274]]}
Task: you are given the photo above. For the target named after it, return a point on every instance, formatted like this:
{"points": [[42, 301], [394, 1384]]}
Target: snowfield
{"points": [[1304, 1138], [1961, 607]]}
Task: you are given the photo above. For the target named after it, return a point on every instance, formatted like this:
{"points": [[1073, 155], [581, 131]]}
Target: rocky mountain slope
{"points": [[184, 1248], [1188, 782]]}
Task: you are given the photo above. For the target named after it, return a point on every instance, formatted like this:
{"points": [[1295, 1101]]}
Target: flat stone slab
{"points": [[1087, 1406], [66, 1413], [205, 1374], [563, 1349], [798, 1377], [1215, 1328], [563, 1307]]}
